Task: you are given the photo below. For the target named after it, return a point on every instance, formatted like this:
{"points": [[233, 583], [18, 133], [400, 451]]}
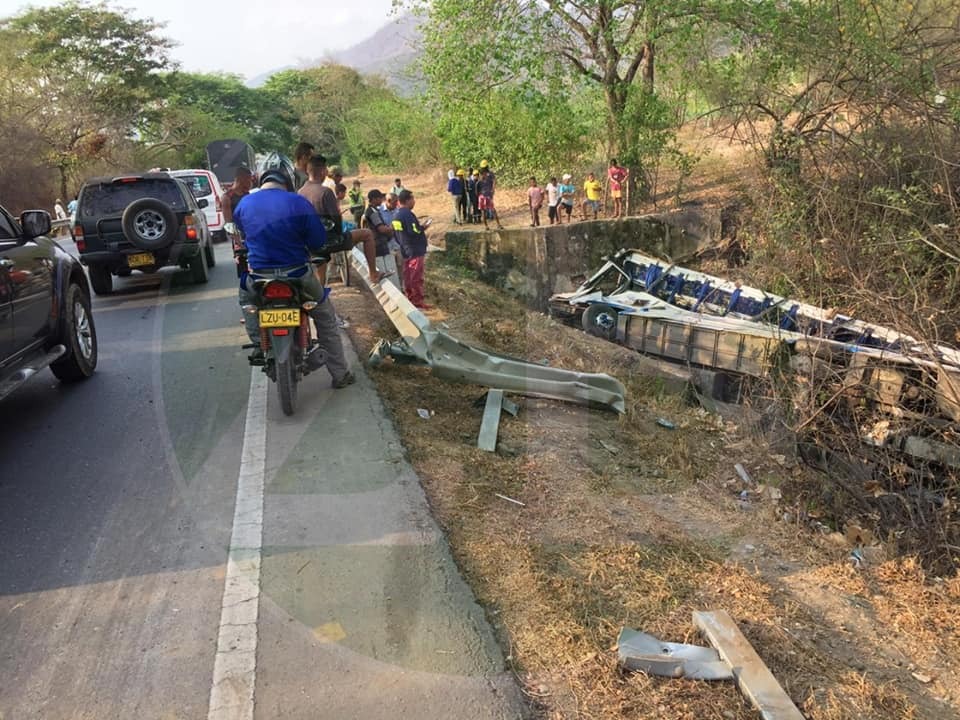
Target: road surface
{"points": [[119, 511]]}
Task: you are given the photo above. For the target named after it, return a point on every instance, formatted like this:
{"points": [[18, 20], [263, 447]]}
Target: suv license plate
{"points": [[280, 318], [140, 259]]}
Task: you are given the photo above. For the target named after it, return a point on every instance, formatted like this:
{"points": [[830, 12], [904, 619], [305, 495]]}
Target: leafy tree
{"points": [[197, 108], [80, 76], [559, 48]]}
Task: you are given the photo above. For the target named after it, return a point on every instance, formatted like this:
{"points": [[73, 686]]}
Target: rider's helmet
{"points": [[277, 175], [278, 161]]}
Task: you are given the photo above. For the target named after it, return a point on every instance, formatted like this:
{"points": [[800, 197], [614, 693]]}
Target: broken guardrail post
{"points": [[451, 359]]}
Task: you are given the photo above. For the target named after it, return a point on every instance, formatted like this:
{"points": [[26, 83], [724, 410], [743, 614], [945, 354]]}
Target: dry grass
{"points": [[629, 524]]}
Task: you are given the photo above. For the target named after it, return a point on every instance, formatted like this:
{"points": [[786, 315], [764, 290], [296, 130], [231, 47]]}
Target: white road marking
{"points": [[235, 667]]}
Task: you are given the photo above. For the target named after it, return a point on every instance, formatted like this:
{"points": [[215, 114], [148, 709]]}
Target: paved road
{"points": [[117, 499]]}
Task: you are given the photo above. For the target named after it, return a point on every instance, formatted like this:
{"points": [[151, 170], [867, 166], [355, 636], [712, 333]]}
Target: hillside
{"points": [[389, 53]]}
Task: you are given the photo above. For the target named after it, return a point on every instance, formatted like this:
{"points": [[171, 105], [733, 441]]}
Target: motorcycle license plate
{"points": [[280, 318], [140, 259]]}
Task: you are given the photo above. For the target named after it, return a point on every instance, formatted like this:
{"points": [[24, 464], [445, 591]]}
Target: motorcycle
{"points": [[289, 352]]}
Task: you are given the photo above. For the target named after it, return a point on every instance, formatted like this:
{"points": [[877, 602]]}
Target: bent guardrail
{"points": [[456, 361]]}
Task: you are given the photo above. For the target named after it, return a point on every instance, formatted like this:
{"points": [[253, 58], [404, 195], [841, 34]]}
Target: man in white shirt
{"points": [[553, 198]]}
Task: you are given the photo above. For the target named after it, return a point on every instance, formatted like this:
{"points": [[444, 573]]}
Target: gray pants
{"points": [[324, 318]]}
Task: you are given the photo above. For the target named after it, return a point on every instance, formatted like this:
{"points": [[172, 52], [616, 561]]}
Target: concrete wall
{"points": [[535, 263]]}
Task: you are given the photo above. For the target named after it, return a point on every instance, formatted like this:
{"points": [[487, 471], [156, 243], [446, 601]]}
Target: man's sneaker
{"points": [[347, 379]]}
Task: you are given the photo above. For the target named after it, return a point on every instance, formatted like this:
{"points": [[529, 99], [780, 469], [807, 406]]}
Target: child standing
{"points": [[567, 193], [356, 203], [594, 192], [413, 248], [535, 200]]}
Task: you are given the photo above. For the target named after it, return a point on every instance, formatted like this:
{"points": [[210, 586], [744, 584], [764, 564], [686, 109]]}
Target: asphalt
{"points": [[116, 510]]}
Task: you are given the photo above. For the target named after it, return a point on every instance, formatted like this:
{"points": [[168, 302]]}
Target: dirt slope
{"points": [[627, 523]]}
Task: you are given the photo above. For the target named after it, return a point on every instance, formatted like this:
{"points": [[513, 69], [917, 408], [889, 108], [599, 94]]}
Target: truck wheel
{"points": [[101, 279], [79, 337], [600, 320], [199, 270]]}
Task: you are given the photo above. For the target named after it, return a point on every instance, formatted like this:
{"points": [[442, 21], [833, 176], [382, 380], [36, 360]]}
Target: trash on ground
{"points": [[664, 423], [744, 475], [424, 413], [857, 559], [510, 499], [922, 677], [645, 653]]}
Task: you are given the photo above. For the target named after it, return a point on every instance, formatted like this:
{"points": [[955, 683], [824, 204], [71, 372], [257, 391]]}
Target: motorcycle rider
{"points": [[281, 229]]}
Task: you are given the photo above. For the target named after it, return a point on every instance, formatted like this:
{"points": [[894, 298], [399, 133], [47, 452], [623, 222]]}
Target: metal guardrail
{"points": [[451, 359]]}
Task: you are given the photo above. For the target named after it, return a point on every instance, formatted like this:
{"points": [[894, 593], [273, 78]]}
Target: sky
{"points": [[251, 37]]}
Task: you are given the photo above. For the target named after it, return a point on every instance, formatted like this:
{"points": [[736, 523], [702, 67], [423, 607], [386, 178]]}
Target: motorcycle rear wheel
{"points": [[287, 386]]}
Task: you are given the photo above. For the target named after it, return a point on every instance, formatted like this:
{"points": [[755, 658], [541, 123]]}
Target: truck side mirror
{"points": [[35, 223]]}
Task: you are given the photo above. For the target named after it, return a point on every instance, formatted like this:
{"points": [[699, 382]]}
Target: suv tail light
{"points": [[277, 291], [78, 238], [218, 204], [189, 221]]}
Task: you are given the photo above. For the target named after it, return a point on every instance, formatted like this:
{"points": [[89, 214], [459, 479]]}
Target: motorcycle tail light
{"points": [[277, 291], [281, 331]]}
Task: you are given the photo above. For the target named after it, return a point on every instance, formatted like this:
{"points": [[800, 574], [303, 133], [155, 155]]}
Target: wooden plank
{"points": [[491, 421], [749, 672]]}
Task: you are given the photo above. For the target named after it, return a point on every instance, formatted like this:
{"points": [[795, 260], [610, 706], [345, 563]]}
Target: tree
{"points": [[558, 49], [197, 108], [80, 76]]}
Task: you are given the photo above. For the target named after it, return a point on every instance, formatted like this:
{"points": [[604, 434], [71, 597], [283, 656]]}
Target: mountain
{"points": [[391, 53]]}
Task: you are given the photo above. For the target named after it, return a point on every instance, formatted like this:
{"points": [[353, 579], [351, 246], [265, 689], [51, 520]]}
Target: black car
{"points": [[45, 317], [140, 222]]}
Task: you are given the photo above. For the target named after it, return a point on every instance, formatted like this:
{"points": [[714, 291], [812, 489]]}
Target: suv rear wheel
{"points": [[101, 279], [79, 337], [199, 269]]}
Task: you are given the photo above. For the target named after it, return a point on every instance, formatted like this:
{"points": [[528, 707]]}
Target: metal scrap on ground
{"points": [[451, 359], [490, 425], [645, 653], [733, 659]]}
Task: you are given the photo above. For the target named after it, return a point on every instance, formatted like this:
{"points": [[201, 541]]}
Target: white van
{"points": [[204, 185]]}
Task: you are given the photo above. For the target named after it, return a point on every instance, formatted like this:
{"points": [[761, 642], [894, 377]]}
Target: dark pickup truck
{"points": [[45, 317]]}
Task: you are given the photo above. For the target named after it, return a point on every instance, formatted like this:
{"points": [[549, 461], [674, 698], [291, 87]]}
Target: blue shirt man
{"points": [[280, 229]]}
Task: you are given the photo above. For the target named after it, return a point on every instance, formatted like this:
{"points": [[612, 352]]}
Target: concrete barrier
{"points": [[535, 263]]}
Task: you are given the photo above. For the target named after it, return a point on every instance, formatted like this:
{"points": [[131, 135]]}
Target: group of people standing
{"points": [[561, 197], [471, 192]]}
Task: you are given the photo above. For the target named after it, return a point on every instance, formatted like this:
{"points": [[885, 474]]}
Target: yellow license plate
{"points": [[140, 259], [280, 318]]}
